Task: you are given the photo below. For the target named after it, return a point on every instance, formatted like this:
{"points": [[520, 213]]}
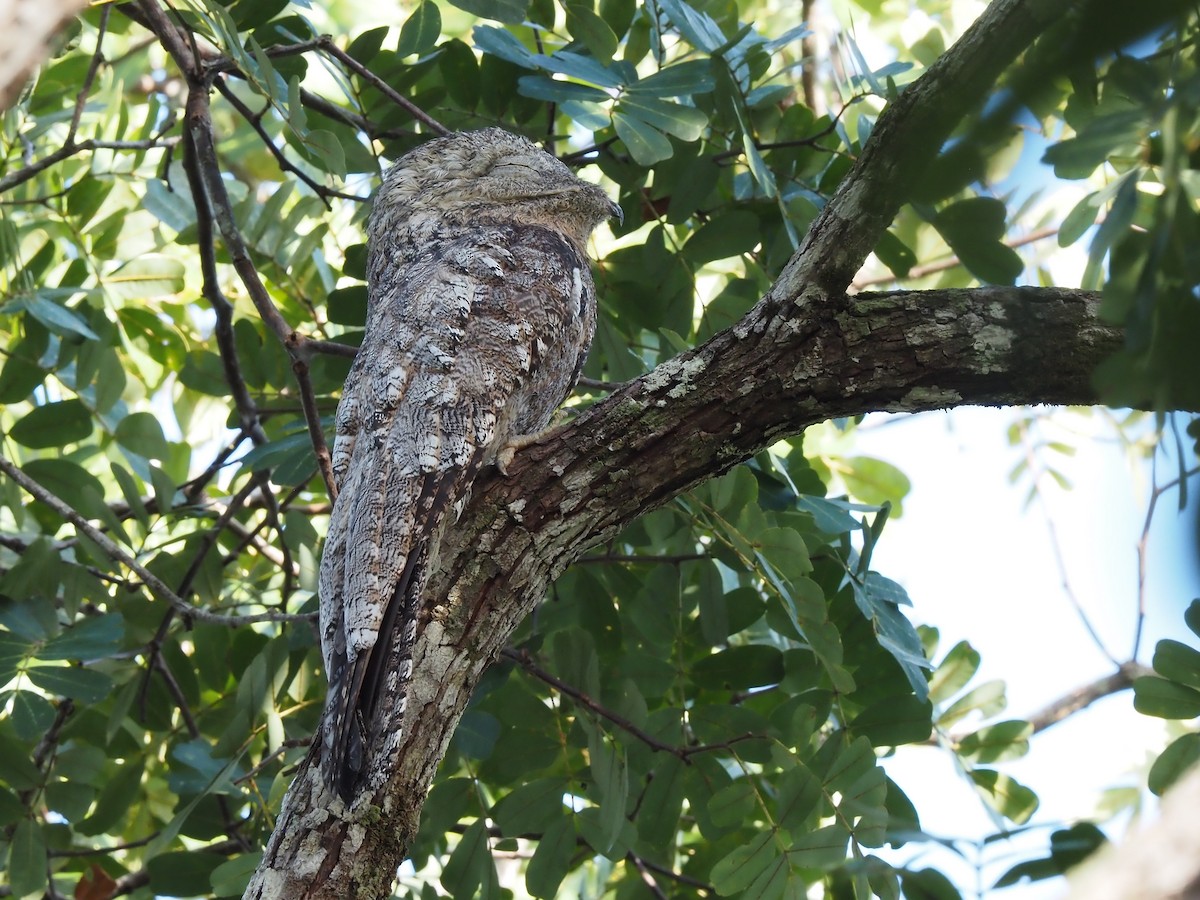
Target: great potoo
{"points": [[480, 312]]}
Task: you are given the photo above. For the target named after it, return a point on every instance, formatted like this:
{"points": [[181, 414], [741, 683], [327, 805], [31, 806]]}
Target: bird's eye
{"points": [[511, 166]]}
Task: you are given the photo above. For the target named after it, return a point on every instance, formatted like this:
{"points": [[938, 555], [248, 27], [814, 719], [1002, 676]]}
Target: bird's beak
{"points": [[615, 212]]}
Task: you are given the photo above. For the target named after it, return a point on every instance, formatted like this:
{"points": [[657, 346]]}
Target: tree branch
{"points": [[805, 353], [153, 583], [1083, 697]]}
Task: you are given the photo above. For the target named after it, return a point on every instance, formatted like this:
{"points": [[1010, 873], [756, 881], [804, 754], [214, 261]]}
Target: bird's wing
{"points": [[424, 408]]}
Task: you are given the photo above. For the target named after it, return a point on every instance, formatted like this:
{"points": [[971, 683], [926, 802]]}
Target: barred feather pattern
{"points": [[481, 310]]}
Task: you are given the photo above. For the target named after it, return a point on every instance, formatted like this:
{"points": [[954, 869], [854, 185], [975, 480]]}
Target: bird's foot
{"points": [[504, 456]]}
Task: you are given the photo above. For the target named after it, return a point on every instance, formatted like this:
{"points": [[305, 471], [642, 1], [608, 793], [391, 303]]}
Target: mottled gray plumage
{"points": [[480, 312]]}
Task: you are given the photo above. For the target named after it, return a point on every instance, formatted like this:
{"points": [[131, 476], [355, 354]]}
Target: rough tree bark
{"points": [[806, 352]]}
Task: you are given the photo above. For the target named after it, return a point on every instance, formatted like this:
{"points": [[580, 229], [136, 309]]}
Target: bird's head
{"points": [[472, 175]]}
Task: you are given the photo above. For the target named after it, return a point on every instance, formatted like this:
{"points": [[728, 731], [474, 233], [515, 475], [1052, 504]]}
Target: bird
{"points": [[481, 309]]}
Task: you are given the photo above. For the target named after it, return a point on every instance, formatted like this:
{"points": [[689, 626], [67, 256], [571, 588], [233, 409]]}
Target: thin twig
{"points": [[153, 583], [255, 122], [525, 661], [68, 150], [222, 308], [328, 46], [199, 123], [90, 78], [648, 880], [1080, 698], [171, 36], [1038, 472]]}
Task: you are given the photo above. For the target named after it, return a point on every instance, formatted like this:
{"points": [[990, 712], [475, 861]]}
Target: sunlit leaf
{"points": [[420, 30], [1005, 794], [53, 425]]}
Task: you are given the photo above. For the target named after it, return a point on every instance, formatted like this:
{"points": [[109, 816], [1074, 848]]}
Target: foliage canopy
{"points": [[701, 703]]}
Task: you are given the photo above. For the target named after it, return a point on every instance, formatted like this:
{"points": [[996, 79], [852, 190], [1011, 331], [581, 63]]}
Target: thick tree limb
{"points": [[650, 440], [1158, 862]]}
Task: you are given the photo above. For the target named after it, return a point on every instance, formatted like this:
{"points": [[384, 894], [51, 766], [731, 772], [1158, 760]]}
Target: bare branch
{"points": [[1081, 698], [328, 46], [68, 150]]}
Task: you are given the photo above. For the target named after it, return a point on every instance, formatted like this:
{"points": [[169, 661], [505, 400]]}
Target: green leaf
{"points": [[539, 87], [142, 433], [994, 743], [73, 483], [1071, 846], [53, 315], [32, 714], [846, 763], [476, 733], [928, 884], [797, 798], [1078, 220], [726, 234], [93, 638], [1158, 697], [1006, 795], [21, 374], [658, 815], [895, 254], [13, 651], [893, 721], [503, 44], [874, 481], [584, 25], [611, 778], [1181, 754], [551, 859], [737, 870], [1191, 617], [511, 12], [683, 79], [697, 27], [955, 670], [86, 685], [275, 453], [145, 277], [732, 804], [531, 807], [171, 207], [132, 495], [231, 877], [328, 148], [575, 65], [460, 71], [684, 122], [204, 372], [787, 553], [820, 849], [115, 799], [469, 864], [1177, 662], [740, 668], [974, 229], [182, 873], [27, 860], [53, 425], [574, 654], [646, 145], [420, 31], [1100, 138], [988, 698]]}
